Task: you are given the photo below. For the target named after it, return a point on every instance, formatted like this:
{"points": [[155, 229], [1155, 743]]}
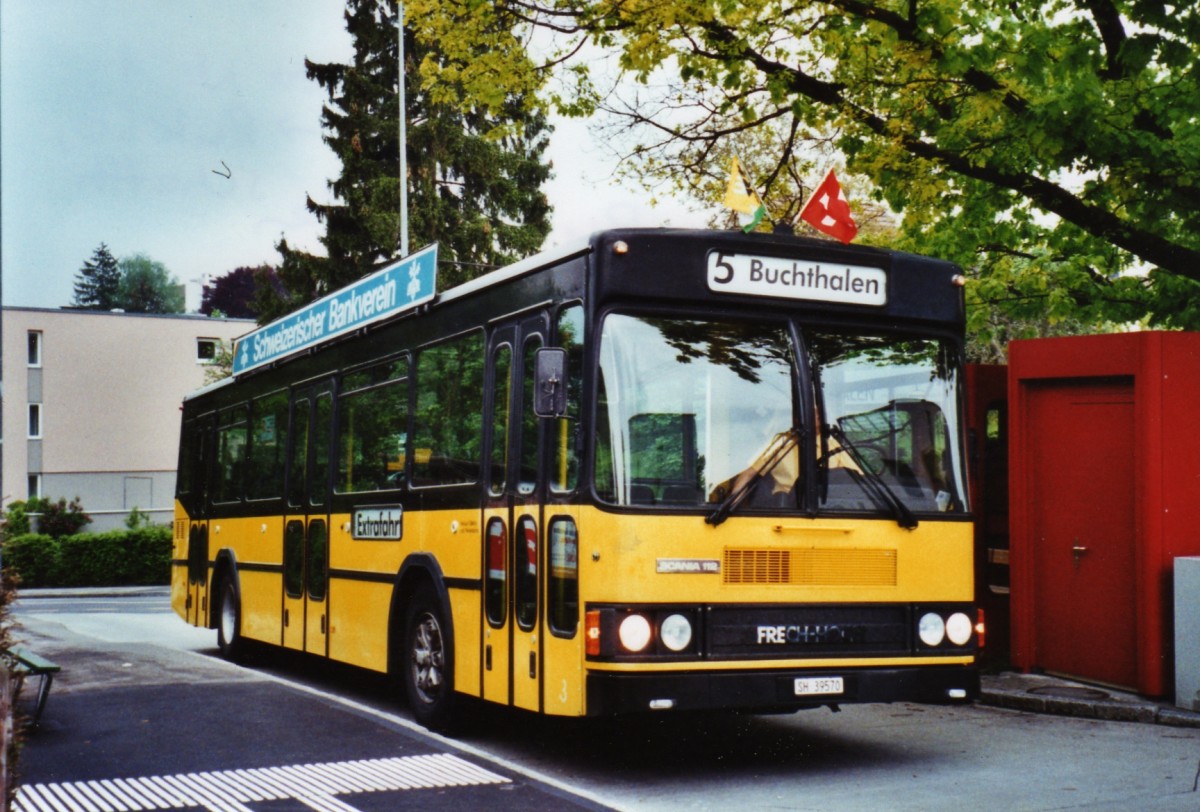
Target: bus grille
{"points": [[810, 567], [813, 630]]}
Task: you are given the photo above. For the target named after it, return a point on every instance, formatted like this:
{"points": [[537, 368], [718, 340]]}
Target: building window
{"points": [[35, 421], [35, 485], [206, 350], [35, 348]]}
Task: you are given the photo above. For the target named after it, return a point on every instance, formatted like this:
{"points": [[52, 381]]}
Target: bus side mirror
{"points": [[550, 382]]}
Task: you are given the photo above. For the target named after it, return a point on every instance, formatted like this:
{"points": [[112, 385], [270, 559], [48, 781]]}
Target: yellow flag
{"points": [[742, 199]]}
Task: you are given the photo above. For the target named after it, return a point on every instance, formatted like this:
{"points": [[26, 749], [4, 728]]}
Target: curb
{"points": [[1036, 694], [39, 593]]}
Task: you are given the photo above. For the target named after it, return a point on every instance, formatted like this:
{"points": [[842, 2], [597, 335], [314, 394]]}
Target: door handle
{"points": [[1078, 551]]}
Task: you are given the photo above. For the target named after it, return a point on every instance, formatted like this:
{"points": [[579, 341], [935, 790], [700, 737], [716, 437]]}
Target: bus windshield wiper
{"points": [[780, 446], [871, 482]]}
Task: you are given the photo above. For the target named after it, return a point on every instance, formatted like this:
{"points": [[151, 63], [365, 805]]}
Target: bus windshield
{"points": [[693, 410], [888, 422], [688, 405]]}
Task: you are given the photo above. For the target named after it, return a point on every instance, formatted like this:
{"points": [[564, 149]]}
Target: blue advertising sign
{"points": [[393, 289]]}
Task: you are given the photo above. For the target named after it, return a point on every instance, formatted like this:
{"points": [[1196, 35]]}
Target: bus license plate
{"points": [[810, 686]]}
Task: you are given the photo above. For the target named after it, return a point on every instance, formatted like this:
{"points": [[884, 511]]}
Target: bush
{"points": [[140, 557], [57, 519], [34, 557]]}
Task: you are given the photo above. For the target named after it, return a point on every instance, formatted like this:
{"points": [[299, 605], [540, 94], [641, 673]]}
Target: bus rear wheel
{"points": [[229, 621], [428, 662]]}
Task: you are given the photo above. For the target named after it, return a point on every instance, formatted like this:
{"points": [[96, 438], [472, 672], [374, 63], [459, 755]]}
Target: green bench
{"points": [[27, 664]]}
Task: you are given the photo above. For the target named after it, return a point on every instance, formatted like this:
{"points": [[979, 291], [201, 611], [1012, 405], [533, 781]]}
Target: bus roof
{"points": [[702, 238]]}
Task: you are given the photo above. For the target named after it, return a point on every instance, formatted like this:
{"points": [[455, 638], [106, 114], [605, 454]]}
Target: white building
{"points": [[91, 405]]}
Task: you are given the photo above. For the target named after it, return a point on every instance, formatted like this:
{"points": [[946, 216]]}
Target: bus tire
{"points": [[427, 668], [229, 621]]}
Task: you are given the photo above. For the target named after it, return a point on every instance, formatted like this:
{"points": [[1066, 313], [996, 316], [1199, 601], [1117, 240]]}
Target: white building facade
{"points": [[91, 405]]}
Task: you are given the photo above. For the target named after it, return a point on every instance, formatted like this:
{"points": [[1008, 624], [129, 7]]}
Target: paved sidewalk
{"points": [[1038, 693]]}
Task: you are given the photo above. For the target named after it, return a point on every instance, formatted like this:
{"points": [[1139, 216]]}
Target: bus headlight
{"points": [[676, 632], [948, 627], [931, 629], [642, 633], [959, 628], [634, 632]]}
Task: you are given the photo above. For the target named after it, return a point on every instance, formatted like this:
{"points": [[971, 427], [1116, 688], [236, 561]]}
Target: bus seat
{"points": [[681, 495], [641, 495]]}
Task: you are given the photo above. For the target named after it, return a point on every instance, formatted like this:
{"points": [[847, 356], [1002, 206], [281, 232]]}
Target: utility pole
{"points": [[403, 135]]}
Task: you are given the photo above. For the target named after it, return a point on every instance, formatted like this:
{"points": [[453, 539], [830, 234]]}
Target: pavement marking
{"points": [[314, 785]]}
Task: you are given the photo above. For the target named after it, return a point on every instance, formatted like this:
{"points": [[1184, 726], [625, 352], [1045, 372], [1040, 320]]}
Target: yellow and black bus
{"points": [[661, 470]]}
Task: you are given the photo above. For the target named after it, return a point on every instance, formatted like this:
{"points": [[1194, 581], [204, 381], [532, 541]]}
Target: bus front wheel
{"points": [[428, 662]]}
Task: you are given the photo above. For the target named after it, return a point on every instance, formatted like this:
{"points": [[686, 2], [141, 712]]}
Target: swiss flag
{"points": [[827, 211]]}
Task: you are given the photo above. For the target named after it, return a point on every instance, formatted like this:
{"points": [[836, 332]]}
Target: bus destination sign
{"points": [[393, 289], [806, 279]]}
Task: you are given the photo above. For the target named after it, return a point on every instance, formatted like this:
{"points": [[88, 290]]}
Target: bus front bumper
{"points": [[773, 691]]}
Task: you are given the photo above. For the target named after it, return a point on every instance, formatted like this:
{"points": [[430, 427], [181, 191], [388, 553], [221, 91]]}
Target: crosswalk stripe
{"points": [[314, 785], [326, 803]]}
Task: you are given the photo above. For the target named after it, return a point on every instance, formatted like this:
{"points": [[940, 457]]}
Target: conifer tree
{"points": [[98, 283], [474, 172]]}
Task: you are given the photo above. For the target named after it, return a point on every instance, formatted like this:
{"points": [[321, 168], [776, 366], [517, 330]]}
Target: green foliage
{"points": [[221, 365], [97, 285], [136, 284], [1050, 147], [11, 735], [35, 557], [137, 518], [56, 518], [474, 170], [140, 557], [147, 287]]}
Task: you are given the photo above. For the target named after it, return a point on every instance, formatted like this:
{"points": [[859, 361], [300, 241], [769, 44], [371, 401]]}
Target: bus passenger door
{"points": [[511, 525], [202, 439], [306, 524]]}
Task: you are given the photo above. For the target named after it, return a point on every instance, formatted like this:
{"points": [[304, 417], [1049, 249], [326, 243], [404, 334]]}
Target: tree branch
{"points": [[1147, 245]]}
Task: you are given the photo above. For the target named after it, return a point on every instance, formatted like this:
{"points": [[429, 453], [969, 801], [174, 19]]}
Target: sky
{"points": [[117, 115]]}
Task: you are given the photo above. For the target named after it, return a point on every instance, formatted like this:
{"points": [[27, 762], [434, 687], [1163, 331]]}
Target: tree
{"points": [[221, 365], [1053, 145], [233, 294], [97, 284], [474, 170], [147, 287]]}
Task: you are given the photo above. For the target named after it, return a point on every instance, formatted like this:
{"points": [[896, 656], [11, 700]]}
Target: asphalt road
{"points": [[137, 725], [142, 694]]}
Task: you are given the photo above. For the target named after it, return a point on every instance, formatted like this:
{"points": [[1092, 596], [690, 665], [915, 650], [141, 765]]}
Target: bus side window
{"points": [[231, 455], [268, 446], [501, 400], [526, 587], [530, 424], [564, 475], [563, 583], [189, 456], [448, 427], [318, 485], [297, 480], [373, 428]]}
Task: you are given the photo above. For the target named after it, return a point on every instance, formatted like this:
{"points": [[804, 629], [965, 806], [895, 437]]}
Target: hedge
{"points": [[140, 557]]}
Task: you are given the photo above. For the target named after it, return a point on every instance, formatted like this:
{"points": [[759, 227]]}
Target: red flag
{"points": [[827, 211]]}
